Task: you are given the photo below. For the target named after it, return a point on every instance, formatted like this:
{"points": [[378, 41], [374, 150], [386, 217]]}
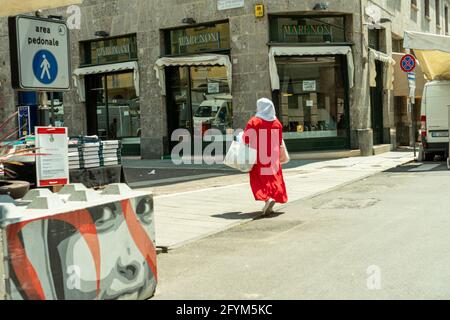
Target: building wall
{"points": [[7, 95], [249, 55]]}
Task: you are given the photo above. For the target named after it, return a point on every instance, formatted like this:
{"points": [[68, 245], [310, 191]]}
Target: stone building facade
{"points": [[152, 23]]}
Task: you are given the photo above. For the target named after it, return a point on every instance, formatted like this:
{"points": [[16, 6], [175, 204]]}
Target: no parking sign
{"points": [[40, 58], [408, 63]]}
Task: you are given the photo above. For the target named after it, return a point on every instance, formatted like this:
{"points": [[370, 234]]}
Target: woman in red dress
{"points": [[265, 134]]}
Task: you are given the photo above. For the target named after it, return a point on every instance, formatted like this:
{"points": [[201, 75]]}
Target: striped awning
{"points": [[15, 7], [80, 73], [195, 60], [389, 71]]}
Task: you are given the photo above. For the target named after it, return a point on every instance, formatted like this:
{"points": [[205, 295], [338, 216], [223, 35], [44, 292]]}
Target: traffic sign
{"points": [[45, 67], [40, 57], [408, 63], [411, 76]]}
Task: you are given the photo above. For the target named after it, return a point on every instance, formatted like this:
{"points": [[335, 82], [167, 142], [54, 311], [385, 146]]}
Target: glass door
{"points": [[112, 106], [97, 113], [123, 106], [179, 100], [376, 101]]}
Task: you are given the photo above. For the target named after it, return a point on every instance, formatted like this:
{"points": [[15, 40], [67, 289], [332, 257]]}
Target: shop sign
{"points": [[113, 50], [198, 39], [309, 86], [229, 4], [40, 59], [52, 166], [202, 38], [307, 30]]}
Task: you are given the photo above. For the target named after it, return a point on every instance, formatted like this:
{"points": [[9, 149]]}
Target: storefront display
{"points": [[196, 78], [108, 81], [311, 83]]}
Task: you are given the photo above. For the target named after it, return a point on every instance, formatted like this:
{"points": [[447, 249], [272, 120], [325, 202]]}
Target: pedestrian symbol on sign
{"points": [[45, 67]]}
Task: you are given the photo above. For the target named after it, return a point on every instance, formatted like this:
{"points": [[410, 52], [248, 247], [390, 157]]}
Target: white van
{"points": [[214, 113], [434, 119]]}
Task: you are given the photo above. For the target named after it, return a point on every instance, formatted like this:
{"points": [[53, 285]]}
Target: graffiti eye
{"points": [[144, 210], [106, 221]]}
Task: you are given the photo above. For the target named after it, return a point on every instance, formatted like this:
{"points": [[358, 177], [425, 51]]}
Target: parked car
{"points": [[434, 119]]}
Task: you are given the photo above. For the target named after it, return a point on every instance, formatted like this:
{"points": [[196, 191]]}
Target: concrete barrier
{"points": [[79, 244]]}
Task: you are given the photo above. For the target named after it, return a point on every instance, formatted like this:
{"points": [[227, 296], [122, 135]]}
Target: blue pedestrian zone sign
{"points": [[40, 57], [45, 67]]}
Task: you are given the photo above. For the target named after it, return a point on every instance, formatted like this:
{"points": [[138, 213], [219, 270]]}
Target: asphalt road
{"points": [[386, 237]]}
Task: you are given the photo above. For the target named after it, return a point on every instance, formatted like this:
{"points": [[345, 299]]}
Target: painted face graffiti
{"points": [[104, 252]]}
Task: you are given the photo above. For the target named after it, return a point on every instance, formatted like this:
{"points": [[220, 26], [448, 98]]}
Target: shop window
{"points": [[446, 20], [199, 99], [112, 101], [312, 100], [438, 13], [374, 39], [427, 9], [307, 29]]}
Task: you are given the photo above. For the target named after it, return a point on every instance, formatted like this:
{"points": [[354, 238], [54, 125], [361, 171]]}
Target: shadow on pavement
{"points": [[237, 215], [270, 216], [421, 167]]}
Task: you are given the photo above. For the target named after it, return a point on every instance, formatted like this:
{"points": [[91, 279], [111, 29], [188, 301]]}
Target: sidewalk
{"points": [[215, 205]]}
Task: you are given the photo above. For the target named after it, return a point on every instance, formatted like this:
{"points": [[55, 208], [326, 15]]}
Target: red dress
{"points": [[266, 177]]}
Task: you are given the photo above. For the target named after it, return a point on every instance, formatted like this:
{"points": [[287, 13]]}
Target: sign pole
{"points": [[52, 110], [408, 64], [414, 125]]}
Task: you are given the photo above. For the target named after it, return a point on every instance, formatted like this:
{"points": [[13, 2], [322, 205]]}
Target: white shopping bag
{"points": [[241, 157], [284, 154]]}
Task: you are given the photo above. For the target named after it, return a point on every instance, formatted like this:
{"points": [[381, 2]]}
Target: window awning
{"points": [[309, 51], [196, 60], [432, 51], [80, 73], [12, 8], [389, 73]]}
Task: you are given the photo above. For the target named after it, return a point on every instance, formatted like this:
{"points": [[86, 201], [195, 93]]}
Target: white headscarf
{"points": [[266, 110]]}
